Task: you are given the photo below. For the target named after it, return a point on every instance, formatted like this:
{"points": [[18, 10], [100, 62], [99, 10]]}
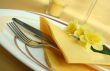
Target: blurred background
{"points": [[66, 10], [72, 8]]}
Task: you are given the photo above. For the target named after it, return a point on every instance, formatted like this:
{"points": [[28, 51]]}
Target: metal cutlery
{"points": [[37, 33], [16, 30]]}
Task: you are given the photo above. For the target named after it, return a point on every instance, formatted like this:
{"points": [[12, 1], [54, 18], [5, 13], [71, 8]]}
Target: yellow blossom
{"points": [[71, 28], [83, 29], [79, 32], [85, 36], [95, 40]]}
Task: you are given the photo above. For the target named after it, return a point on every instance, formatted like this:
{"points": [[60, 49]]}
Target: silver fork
{"points": [[22, 37]]}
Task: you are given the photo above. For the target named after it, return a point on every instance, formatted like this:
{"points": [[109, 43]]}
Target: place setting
{"points": [[65, 36], [45, 43]]}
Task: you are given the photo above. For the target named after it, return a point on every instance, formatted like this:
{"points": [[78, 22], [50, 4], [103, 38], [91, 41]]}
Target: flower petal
{"points": [[98, 47], [88, 47]]}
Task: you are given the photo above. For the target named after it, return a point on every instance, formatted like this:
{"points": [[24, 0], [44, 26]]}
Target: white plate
{"points": [[8, 38]]}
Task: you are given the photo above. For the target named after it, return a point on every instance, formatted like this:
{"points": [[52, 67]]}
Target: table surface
{"points": [[76, 8]]}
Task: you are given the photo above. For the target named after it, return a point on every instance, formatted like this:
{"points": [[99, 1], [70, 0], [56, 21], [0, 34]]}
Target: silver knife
{"points": [[39, 34]]}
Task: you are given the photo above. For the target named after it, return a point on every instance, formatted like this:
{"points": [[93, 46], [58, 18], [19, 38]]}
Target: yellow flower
{"points": [[71, 28], [85, 36], [95, 40], [82, 39], [82, 30], [79, 32]]}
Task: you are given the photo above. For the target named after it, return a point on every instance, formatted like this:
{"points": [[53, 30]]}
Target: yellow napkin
{"points": [[71, 50], [56, 61]]}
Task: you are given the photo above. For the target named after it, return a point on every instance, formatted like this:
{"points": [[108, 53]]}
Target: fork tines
{"points": [[15, 29]]}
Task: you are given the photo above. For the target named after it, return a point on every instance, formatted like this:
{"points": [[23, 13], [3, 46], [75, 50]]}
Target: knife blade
{"points": [[39, 34]]}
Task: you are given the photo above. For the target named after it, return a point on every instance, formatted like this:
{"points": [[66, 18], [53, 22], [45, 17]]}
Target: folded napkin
{"points": [[54, 57], [70, 49], [56, 61]]}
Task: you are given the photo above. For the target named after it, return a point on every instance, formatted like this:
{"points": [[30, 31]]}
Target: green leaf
{"points": [[104, 51]]}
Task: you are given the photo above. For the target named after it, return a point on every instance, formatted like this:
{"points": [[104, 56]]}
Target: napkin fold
{"points": [[56, 61], [69, 47]]}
